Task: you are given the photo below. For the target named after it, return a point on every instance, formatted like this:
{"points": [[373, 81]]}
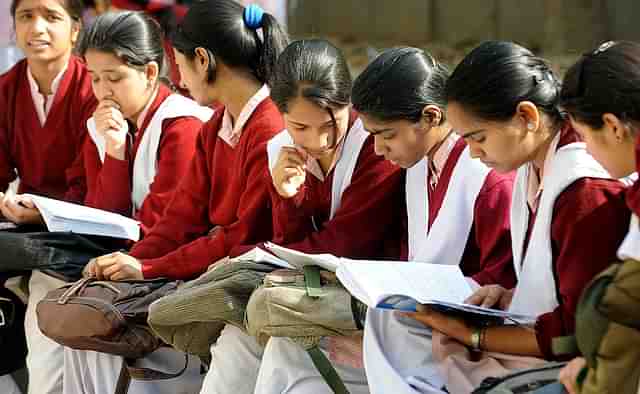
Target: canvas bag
{"points": [[608, 331], [192, 318], [305, 306]]}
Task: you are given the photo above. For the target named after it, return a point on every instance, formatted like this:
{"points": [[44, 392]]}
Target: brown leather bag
{"points": [[107, 317]]}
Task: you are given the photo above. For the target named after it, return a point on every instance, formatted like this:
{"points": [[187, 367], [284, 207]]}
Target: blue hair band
{"points": [[253, 14]]}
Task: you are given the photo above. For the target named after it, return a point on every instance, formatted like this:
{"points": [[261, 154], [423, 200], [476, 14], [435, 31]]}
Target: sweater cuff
{"points": [[152, 269], [549, 326]]}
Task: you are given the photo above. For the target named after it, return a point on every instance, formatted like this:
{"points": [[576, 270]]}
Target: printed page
{"points": [[63, 216], [385, 284], [300, 260]]}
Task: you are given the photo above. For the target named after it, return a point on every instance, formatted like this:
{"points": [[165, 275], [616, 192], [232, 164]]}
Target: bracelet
{"points": [[476, 337], [483, 337]]}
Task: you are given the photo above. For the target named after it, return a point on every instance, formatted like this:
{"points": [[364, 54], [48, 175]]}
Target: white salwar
{"points": [[397, 350], [287, 368], [89, 372], [235, 361], [44, 357]]}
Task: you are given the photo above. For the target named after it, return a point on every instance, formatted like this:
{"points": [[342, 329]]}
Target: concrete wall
{"points": [[555, 25]]}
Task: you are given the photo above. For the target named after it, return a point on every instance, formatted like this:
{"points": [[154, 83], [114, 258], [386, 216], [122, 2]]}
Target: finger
{"points": [[108, 103], [108, 272], [27, 202], [292, 155], [290, 172], [490, 300], [106, 261], [477, 297]]}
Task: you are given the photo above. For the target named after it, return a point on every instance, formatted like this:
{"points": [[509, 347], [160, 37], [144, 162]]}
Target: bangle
{"points": [[483, 338], [476, 336]]}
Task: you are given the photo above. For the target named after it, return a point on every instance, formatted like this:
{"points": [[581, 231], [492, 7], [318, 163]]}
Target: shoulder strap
{"points": [[326, 370], [129, 372]]}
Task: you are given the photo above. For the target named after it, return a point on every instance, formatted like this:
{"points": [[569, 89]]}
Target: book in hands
{"points": [[299, 260], [61, 216], [403, 285]]}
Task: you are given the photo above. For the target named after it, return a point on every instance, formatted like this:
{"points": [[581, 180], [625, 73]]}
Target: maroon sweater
{"points": [[109, 184], [590, 220], [487, 255], [368, 223], [46, 157], [222, 201]]}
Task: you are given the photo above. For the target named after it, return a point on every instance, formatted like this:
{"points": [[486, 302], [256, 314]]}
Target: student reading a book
{"points": [[222, 201], [503, 101], [141, 139], [330, 193], [599, 92], [401, 99]]}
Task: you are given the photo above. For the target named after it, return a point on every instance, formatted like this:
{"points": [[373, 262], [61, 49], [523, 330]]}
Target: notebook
{"points": [[403, 285], [61, 216]]}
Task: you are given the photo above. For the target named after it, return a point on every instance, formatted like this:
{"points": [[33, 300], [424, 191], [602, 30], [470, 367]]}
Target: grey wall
{"points": [[554, 25]]}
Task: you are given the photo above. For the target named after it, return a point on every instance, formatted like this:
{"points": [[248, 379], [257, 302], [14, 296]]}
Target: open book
{"points": [[403, 285], [289, 258], [67, 217]]}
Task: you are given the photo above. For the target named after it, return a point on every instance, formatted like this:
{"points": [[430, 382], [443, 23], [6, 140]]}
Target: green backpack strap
{"points": [[312, 280], [326, 370]]}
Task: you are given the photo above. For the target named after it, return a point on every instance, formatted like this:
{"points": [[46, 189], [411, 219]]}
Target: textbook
{"points": [[300, 260], [402, 285], [67, 217], [289, 258]]}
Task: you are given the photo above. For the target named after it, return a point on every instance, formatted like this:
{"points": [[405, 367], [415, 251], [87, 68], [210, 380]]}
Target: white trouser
{"points": [[8, 386], [44, 357], [287, 368], [88, 372], [397, 355], [235, 361]]}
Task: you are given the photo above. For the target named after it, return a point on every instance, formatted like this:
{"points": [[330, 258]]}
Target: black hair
{"points": [[315, 70], [219, 27], [132, 36], [399, 83], [606, 80], [496, 76], [74, 8]]}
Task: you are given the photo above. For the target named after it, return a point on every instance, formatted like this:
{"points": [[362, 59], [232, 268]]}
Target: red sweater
{"points": [[221, 202], [487, 257], [109, 184], [366, 224], [46, 157], [590, 220]]}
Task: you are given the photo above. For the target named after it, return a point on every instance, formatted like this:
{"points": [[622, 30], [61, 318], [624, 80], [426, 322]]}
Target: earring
{"points": [[530, 126]]}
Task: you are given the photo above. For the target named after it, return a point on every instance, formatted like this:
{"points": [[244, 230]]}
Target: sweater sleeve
{"points": [[185, 217], [186, 250], [492, 232], [177, 147], [369, 208], [590, 221], [7, 166], [76, 174]]}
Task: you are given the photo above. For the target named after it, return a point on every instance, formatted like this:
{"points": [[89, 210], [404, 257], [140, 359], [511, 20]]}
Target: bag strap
{"points": [[129, 372], [312, 280], [326, 370]]}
